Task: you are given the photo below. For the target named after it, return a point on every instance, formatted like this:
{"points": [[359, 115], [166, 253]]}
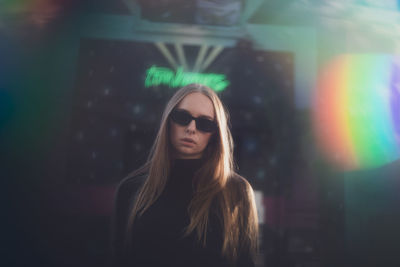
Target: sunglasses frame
{"points": [[197, 120]]}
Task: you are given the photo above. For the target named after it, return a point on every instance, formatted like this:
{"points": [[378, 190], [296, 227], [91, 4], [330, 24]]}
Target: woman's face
{"points": [[187, 141]]}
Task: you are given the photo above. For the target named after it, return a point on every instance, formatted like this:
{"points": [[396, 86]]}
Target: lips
{"points": [[188, 140]]}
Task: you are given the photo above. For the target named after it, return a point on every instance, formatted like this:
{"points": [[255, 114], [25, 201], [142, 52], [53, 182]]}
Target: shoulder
{"points": [[125, 194], [123, 200], [238, 185], [238, 179], [129, 186], [239, 182]]}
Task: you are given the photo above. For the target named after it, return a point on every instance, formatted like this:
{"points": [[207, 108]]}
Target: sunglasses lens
{"points": [[206, 125], [181, 117]]}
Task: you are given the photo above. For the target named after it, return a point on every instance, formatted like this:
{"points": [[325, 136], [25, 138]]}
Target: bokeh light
{"points": [[356, 111]]}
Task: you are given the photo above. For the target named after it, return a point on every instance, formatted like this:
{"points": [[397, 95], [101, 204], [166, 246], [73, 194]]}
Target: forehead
{"points": [[197, 104]]}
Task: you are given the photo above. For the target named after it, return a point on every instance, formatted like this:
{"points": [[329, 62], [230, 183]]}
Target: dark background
{"points": [[75, 120]]}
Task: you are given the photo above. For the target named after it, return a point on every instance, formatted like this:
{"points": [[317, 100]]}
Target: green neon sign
{"points": [[159, 75]]}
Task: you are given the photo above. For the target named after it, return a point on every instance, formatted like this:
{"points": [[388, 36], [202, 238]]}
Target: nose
{"points": [[191, 127]]}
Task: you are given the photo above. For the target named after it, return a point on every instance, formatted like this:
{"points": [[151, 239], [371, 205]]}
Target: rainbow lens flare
{"points": [[357, 111]]}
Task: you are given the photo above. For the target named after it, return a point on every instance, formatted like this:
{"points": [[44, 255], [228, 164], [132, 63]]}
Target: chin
{"points": [[189, 155]]}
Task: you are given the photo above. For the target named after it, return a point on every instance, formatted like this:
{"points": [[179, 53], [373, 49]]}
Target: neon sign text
{"points": [[159, 75]]}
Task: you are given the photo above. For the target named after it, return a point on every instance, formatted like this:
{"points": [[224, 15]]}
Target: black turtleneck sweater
{"points": [[158, 235]]}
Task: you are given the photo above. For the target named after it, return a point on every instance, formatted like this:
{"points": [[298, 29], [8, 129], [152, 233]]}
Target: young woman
{"points": [[186, 206]]}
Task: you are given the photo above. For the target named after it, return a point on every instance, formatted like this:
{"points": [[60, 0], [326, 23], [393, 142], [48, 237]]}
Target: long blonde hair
{"points": [[216, 182]]}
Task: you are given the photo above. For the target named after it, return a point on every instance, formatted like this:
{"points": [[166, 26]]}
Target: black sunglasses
{"points": [[182, 117]]}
